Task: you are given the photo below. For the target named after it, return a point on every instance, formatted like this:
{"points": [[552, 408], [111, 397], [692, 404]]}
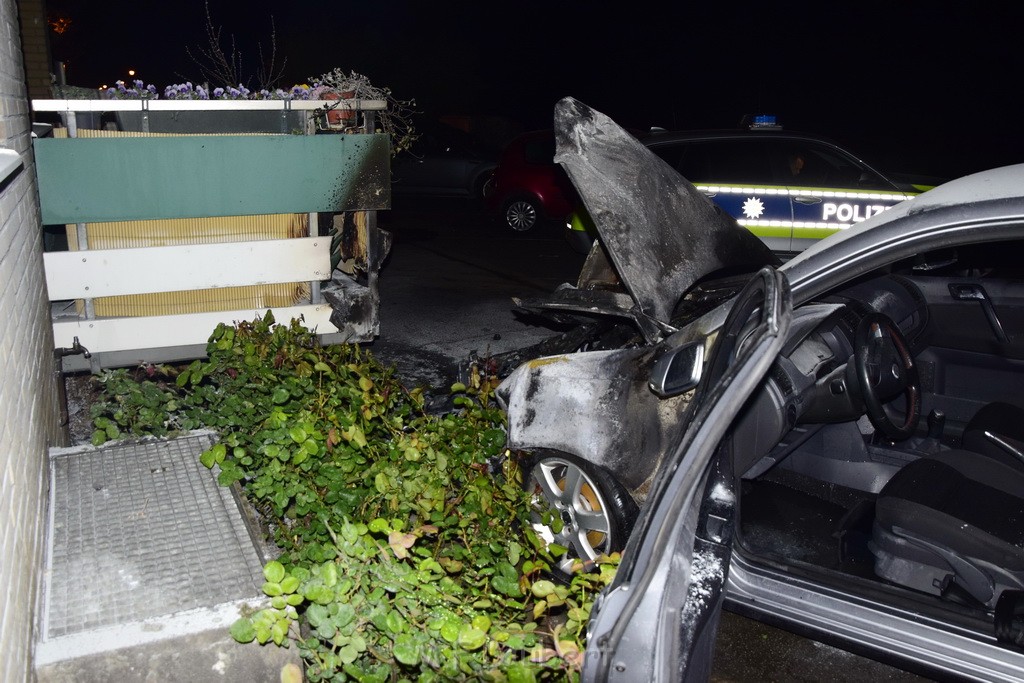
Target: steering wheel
{"points": [[885, 369]]}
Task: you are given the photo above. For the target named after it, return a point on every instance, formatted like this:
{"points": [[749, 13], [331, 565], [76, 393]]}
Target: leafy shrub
{"points": [[406, 547]]}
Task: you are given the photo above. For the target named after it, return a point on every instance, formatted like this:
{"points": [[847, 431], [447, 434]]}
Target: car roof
{"points": [[659, 137], [656, 136]]}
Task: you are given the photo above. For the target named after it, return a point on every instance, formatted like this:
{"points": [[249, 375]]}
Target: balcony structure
{"points": [[170, 234]]}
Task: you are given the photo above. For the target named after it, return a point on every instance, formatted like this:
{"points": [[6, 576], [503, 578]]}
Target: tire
{"points": [[479, 189], [520, 214], [596, 512]]}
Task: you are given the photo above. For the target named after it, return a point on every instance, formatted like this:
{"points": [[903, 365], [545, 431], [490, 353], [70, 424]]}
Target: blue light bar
{"points": [[764, 121]]}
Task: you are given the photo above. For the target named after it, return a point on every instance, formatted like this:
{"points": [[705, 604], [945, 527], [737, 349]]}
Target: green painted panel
{"points": [[87, 180]]}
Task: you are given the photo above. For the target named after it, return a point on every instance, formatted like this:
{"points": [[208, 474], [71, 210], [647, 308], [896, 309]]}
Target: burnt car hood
{"points": [[658, 234]]}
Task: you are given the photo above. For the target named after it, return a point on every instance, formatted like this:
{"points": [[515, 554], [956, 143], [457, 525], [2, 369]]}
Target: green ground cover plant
{"points": [[406, 548]]}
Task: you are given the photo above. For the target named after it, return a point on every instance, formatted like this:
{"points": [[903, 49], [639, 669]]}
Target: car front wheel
{"points": [[520, 214], [577, 505]]}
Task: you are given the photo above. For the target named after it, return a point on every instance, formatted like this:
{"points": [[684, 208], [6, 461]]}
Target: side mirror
{"points": [[678, 370]]}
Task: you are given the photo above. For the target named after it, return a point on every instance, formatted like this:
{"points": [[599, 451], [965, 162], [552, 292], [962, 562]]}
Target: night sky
{"points": [[921, 87]]}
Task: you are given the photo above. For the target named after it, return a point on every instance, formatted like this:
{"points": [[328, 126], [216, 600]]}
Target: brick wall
{"points": [[28, 395]]}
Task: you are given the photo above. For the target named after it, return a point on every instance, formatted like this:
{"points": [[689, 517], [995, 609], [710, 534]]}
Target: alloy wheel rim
{"points": [[521, 215], [567, 491]]}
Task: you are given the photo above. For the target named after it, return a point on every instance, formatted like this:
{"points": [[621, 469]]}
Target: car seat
{"points": [[952, 524], [997, 430]]}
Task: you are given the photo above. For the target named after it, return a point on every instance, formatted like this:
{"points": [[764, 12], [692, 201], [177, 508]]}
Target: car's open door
{"points": [[657, 621]]}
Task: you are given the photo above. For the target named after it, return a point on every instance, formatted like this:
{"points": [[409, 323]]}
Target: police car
{"points": [[790, 189]]}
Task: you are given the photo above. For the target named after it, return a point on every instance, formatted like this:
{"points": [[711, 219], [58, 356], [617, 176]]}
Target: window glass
{"points": [[671, 153], [989, 260], [809, 164], [725, 161]]}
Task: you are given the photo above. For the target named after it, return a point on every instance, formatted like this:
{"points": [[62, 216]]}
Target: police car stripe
{"points": [[780, 228], [803, 192], [768, 228], [792, 224]]}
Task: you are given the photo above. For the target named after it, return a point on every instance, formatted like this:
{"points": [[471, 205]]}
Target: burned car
{"points": [[833, 445]]}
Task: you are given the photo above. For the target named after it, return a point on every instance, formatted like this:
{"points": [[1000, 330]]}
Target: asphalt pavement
{"points": [[446, 287], [446, 294]]}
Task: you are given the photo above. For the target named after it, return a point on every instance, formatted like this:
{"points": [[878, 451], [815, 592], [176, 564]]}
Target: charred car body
{"points": [[761, 444]]}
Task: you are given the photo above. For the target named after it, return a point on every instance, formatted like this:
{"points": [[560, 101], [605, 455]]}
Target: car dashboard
{"points": [[812, 382]]}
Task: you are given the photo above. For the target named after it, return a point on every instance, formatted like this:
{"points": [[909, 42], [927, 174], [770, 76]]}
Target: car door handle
{"points": [[807, 200], [709, 194], [974, 292]]}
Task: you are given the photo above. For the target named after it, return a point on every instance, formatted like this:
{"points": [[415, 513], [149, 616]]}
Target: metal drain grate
{"points": [[138, 532]]}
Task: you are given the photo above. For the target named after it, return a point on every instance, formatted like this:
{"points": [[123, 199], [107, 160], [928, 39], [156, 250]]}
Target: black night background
{"points": [[921, 87]]}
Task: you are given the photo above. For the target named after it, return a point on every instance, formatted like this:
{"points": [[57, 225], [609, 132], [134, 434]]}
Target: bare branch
{"points": [[225, 69], [268, 75]]}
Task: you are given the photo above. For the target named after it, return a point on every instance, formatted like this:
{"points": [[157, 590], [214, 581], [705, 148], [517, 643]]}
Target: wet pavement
{"points": [[446, 288], [446, 293]]}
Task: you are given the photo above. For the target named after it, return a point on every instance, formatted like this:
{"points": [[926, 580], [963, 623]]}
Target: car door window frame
{"points": [[742, 355]]}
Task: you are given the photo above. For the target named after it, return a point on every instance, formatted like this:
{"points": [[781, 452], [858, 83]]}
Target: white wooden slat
{"points": [[154, 332], [147, 270]]}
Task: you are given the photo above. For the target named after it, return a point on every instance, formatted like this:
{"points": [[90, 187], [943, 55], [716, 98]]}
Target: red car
{"points": [[528, 187]]}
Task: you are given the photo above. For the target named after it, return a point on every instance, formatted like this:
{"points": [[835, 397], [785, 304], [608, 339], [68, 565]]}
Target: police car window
{"points": [[671, 153], [726, 161], [805, 163]]}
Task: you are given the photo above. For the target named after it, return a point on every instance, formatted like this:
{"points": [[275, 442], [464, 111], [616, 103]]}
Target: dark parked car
{"points": [[763, 447], [443, 161], [528, 187]]}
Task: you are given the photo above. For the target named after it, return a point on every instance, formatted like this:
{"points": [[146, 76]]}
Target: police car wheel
{"points": [[520, 214], [579, 506]]}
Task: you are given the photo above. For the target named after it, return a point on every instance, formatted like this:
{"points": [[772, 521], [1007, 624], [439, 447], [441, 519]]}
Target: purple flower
{"points": [[189, 91]]}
